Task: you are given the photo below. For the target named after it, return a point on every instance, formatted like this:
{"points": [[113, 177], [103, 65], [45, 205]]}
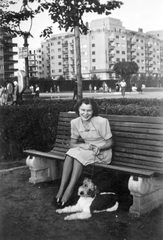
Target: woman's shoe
{"points": [[56, 202], [65, 204]]}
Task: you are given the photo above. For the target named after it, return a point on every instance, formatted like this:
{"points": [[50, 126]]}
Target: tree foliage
{"points": [[68, 14]]}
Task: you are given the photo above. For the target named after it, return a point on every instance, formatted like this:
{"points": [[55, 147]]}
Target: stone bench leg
{"points": [[43, 169], [147, 194]]}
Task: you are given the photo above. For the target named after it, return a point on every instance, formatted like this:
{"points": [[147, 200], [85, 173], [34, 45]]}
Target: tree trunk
{"points": [[78, 63]]}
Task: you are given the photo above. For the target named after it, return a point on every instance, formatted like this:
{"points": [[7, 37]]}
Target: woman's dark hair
{"points": [[87, 101]]}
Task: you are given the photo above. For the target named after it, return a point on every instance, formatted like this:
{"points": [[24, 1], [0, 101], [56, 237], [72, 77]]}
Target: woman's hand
{"points": [[95, 150], [86, 146]]}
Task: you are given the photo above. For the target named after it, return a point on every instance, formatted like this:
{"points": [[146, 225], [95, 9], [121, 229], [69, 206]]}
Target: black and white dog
{"points": [[90, 201]]}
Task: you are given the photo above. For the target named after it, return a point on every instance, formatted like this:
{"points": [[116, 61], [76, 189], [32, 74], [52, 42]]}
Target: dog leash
{"points": [[92, 173]]}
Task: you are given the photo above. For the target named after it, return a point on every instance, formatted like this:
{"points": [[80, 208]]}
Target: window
{"points": [[123, 59], [60, 70], [93, 53], [58, 42], [52, 44], [117, 36], [117, 51], [59, 63], [52, 57], [93, 37], [93, 60], [59, 56], [93, 68], [117, 59], [59, 49], [123, 52], [93, 44]]}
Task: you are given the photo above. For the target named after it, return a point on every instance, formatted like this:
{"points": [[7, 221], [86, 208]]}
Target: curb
{"points": [[6, 171]]}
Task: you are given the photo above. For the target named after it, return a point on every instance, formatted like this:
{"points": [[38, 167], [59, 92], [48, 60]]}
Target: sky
{"points": [[134, 14]]}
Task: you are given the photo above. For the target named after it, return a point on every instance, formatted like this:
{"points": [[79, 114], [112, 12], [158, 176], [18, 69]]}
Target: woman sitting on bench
{"points": [[97, 136]]}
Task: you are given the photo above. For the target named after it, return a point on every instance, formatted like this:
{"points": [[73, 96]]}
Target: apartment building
{"points": [[7, 54], [35, 63], [106, 43]]}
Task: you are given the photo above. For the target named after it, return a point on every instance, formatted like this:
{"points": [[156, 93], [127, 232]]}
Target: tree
{"points": [[68, 14], [125, 70]]}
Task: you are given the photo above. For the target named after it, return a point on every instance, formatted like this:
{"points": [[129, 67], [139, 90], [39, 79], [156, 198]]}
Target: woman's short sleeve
{"points": [[74, 131], [105, 130]]}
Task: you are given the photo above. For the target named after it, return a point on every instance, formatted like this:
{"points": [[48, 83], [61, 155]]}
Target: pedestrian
{"points": [[3, 95], [139, 88], [75, 90], [15, 93], [123, 87], [95, 88], [58, 90], [90, 88], [37, 91], [97, 147]]}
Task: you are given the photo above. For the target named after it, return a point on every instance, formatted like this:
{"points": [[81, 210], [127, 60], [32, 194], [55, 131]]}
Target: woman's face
{"points": [[85, 111]]}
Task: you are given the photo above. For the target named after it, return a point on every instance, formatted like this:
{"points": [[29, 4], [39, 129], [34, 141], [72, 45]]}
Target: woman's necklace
{"points": [[86, 126]]}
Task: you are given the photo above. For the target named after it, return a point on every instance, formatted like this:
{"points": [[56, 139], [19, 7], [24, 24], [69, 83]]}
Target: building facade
{"points": [[7, 54], [106, 43]]}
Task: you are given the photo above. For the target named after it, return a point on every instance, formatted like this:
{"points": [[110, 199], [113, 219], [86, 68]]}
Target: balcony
{"points": [[10, 53], [133, 49], [111, 40]]}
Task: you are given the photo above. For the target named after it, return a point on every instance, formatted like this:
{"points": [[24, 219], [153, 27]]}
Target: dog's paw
{"points": [[59, 211]]}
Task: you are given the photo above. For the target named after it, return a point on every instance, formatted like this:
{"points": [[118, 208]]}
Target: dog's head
{"points": [[88, 189]]}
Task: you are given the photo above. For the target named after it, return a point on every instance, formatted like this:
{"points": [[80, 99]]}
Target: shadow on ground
{"points": [[26, 213]]}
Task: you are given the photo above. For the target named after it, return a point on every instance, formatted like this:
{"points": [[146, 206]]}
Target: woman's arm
{"points": [[106, 146], [74, 143]]}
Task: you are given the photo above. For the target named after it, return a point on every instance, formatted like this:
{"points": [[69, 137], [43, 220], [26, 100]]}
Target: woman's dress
{"points": [[99, 132]]}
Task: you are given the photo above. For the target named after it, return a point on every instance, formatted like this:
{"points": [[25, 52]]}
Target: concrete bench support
{"points": [[147, 194], [43, 169]]}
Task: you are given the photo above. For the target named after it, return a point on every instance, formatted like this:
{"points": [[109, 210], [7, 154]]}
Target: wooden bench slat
{"points": [[138, 135], [139, 119], [151, 143], [44, 154], [128, 129], [136, 125], [139, 157], [128, 170], [138, 152], [139, 146]]}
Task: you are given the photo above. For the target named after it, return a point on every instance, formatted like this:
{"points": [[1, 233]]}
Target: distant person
{"points": [[95, 88], [90, 88], [117, 87], [123, 87], [75, 90], [58, 90], [15, 93], [37, 91], [3, 95], [139, 88]]}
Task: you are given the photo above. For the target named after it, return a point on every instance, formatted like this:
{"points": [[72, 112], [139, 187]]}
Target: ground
{"points": [[26, 213]]}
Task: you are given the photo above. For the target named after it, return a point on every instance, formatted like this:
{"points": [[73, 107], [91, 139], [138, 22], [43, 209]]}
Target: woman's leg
{"points": [[76, 173], [67, 170]]}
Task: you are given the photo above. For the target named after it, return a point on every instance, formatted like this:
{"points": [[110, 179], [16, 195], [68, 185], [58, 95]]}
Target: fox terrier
{"points": [[90, 201]]}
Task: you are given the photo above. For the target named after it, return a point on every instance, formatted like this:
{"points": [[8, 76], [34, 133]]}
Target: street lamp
{"points": [[27, 11]]}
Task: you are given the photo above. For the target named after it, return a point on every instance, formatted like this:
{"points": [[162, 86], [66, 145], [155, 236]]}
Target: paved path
{"points": [[158, 93]]}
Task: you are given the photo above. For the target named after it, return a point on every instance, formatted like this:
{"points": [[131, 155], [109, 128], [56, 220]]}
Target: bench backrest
{"points": [[138, 140]]}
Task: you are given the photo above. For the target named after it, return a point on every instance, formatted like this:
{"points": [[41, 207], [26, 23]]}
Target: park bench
{"points": [[137, 151]]}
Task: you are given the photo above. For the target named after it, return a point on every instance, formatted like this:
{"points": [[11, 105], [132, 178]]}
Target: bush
{"points": [[33, 124]]}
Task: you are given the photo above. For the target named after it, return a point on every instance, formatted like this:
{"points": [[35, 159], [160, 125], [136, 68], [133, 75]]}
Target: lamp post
{"points": [[27, 12]]}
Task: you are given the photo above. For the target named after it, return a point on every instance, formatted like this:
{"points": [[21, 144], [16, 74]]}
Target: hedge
{"points": [[33, 124]]}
